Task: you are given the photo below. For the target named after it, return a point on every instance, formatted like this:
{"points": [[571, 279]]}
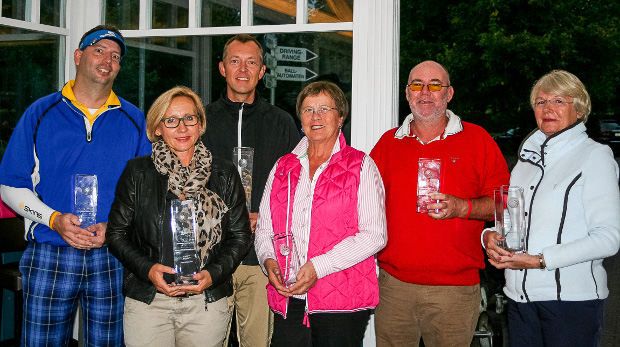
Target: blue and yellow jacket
{"points": [[58, 137]]}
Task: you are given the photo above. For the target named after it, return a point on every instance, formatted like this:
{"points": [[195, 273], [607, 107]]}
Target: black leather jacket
{"points": [[135, 223]]}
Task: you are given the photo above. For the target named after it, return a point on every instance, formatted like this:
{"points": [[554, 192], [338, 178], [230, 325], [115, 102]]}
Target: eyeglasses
{"points": [[432, 87], [551, 102], [320, 110], [173, 122]]}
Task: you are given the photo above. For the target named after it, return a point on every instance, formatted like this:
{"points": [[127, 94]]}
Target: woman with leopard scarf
{"points": [[158, 311]]}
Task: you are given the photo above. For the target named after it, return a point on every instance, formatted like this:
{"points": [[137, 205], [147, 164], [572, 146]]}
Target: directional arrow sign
{"points": [[294, 73], [297, 54]]}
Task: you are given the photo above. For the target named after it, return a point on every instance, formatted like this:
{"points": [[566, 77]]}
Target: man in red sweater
{"points": [[428, 282]]}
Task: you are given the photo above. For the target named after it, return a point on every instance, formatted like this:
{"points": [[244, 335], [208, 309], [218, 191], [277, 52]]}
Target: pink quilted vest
{"points": [[334, 217]]}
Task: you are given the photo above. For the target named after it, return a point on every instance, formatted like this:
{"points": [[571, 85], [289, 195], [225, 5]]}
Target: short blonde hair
{"points": [[565, 84], [161, 104]]}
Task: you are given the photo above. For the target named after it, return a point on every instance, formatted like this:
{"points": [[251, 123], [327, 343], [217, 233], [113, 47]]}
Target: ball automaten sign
{"points": [[294, 73]]}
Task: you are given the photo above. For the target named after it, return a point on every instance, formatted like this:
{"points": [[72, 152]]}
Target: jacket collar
{"points": [[537, 145], [301, 150], [111, 103], [235, 106]]}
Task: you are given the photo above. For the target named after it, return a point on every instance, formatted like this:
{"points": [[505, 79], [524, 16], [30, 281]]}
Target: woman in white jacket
{"points": [[557, 289]]}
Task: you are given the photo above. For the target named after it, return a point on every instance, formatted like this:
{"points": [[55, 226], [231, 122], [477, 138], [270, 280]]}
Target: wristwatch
{"points": [[540, 261]]}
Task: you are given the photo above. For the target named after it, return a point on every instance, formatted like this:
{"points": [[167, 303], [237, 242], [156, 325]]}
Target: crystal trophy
{"points": [[85, 199], [183, 223], [288, 259], [243, 158], [429, 176], [510, 218]]}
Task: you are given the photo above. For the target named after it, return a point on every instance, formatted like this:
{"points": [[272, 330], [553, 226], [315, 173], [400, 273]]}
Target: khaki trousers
{"points": [[171, 321], [443, 316], [254, 318]]}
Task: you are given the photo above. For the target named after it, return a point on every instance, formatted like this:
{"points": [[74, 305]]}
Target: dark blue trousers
{"points": [[556, 323], [326, 329]]}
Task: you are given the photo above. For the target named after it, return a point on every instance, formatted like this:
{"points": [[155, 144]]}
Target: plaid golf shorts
{"points": [[55, 280]]}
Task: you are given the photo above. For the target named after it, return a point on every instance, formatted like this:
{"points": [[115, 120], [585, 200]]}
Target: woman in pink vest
{"points": [[321, 221]]}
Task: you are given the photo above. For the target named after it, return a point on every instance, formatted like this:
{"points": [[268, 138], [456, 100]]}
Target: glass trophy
{"points": [[510, 218], [429, 176], [243, 158], [183, 224], [288, 259], [85, 199]]}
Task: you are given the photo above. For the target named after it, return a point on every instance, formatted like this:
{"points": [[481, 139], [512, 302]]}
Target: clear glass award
{"points": [[429, 177], [288, 259], [183, 223], [243, 158], [510, 218], [85, 199]]}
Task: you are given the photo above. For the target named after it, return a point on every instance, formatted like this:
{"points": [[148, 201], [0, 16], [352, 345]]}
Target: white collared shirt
{"points": [[454, 126]]}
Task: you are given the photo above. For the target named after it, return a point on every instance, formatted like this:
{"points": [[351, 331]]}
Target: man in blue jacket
{"points": [[84, 129]]}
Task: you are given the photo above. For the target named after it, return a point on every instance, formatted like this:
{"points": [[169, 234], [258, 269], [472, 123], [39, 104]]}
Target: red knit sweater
{"points": [[422, 250]]}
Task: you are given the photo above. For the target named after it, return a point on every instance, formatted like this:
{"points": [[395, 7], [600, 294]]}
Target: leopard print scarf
{"points": [[189, 182]]}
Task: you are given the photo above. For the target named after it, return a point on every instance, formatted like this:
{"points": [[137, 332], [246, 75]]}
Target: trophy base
{"points": [[424, 200], [425, 210], [87, 219], [516, 250], [185, 280]]}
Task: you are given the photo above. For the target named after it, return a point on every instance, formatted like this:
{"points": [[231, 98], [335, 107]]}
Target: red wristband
{"points": [[469, 209]]}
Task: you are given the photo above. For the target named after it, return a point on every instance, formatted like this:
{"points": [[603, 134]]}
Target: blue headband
{"points": [[100, 35]]}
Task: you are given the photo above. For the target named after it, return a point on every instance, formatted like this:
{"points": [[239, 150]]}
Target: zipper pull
{"points": [[306, 321]]}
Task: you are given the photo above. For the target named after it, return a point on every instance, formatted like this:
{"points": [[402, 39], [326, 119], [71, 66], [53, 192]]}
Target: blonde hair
{"points": [[161, 104], [565, 84]]}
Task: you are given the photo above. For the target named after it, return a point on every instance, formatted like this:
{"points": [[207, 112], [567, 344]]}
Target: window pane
{"points": [[305, 58], [163, 63], [330, 11], [333, 63], [221, 13], [154, 65], [50, 12], [170, 14], [28, 71], [274, 12], [125, 14], [15, 9]]}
